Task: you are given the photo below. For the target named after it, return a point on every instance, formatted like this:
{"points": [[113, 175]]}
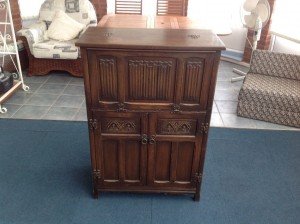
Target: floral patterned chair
{"points": [[271, 89], [46, 54]]}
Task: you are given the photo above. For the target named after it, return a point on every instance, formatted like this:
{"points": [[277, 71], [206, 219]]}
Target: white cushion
{"points": [[54, 49], [63, 27]]}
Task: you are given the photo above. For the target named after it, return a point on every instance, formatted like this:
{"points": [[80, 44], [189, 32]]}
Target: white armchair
{"points": [[47, 54]]}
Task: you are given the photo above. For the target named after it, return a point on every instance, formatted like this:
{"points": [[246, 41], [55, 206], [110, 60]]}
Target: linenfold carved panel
{"points": [[193, 80], [107, 79], [176, 127], [151, 79], [120, 126]]}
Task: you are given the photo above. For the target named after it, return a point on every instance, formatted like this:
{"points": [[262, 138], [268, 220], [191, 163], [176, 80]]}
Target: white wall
{"points": [[30, 8], [236, 40], [286, 46], [221, 15]]}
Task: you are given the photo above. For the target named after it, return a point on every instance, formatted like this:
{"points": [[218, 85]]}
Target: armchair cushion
{"points": [[63, 27], [54, 49], [34, 33]]}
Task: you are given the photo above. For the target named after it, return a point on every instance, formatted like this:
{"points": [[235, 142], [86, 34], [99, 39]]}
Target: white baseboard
{"points": [[242, 63]]}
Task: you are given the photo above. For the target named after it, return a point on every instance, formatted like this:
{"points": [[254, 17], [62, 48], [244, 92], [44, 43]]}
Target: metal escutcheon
{"points": [[144, 139], [152, 140]]}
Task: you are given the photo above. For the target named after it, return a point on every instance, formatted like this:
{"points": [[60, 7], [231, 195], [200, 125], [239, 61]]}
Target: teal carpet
{"points": [[250, 177]]}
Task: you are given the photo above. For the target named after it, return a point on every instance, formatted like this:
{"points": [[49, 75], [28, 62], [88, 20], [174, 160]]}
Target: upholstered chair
{"points": [[57, 51], [271, 89]]}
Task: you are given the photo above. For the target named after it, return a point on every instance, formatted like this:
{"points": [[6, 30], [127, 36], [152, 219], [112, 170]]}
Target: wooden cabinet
{"points": [[149, 102]]}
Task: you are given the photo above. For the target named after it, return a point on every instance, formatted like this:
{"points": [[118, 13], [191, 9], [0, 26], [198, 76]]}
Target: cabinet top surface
{"points": [[151, 39]]}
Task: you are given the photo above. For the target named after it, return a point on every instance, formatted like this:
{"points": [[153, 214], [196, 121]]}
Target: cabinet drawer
{"points": [[116, 125], [183, 124], [119, 123]]}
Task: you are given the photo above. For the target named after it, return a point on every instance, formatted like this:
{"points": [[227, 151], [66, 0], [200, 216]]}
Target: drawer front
{"points": [[176, 126], [180, 124], [118, 123]]}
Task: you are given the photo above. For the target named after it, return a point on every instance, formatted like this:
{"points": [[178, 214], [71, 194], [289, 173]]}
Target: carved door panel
{"points": [[121, 148], [150, 81], [194, 81], [105, 80], [174, 149]]}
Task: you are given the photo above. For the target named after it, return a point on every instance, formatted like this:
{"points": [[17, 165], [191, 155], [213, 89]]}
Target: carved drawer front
{"points": [[119, 123], [114, 125], [176, 124]]}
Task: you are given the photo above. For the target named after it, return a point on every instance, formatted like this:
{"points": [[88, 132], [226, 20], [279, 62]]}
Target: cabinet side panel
{"points": [[110, 160], [132, 161], [185, 161], [163, 154]]}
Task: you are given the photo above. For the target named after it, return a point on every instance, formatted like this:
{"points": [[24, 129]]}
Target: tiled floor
{"points": [[59, 96]]}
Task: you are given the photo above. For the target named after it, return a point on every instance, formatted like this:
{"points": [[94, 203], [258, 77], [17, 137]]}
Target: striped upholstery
{"points": [[172, 7], [128, 7]]}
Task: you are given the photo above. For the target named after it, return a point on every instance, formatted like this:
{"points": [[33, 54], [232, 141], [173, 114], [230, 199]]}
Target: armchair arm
{"points": [[34, 33]]}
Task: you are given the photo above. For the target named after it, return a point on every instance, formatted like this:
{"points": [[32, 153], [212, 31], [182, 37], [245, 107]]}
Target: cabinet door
{"points": [[105, 79], [174, 149], [150, 81], [194, 81], [121, 153]]}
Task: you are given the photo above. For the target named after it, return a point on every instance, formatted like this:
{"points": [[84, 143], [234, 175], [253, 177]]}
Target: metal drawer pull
{"points": [[152, 140], [144, 139]]}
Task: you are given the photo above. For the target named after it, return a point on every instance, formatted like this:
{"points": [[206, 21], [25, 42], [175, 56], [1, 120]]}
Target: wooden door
{"points": [[150, 81], [121, 149], [105, 80], [174, 149], [194, 81]]}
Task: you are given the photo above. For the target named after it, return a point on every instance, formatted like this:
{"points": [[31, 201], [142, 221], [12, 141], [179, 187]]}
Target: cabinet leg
{"points": [[95, 193], [197, 195]]}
